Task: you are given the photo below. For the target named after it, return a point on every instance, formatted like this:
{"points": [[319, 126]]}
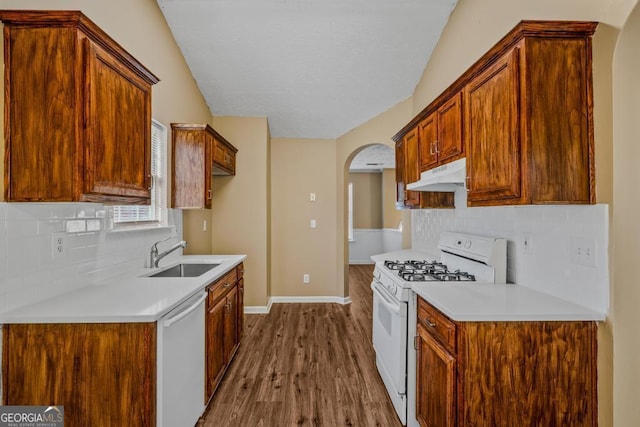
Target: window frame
{"points": [[158, 203]]}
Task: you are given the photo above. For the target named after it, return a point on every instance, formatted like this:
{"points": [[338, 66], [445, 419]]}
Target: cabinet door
{"points": [[493, 139], [428, 142], [191, 172], [435, 383], [400, 182], [117, 150], [231, 324], [411, 167], [103, 374], [215, 346], [42, 136], [223, 159], [240, 308], [450, 144]]}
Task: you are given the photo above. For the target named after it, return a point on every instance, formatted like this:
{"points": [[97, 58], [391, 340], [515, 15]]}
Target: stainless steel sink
{"points": [[185, 270]]}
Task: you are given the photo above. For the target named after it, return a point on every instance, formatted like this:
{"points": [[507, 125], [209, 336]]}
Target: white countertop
{"points": [[489, 302], [134, 298]]}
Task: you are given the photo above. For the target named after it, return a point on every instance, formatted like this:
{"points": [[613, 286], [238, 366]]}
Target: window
{"points": [[153, 212], [350, 211]]}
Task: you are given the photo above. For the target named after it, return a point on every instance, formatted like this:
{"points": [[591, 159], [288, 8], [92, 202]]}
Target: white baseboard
{"points": [[259, 309], [299, 300], [262, 309]]}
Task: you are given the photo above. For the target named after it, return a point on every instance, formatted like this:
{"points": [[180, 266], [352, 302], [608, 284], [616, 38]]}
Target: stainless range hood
{"points": [[448, 177]]}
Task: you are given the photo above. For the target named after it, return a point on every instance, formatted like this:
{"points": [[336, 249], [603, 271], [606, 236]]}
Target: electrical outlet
{"points": [[204, 225], [312, 197], [306, 278], [583, 251], [58, 245], [313, 223]]}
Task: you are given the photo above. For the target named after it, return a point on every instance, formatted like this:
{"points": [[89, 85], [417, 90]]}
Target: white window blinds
{"points": [[153, 212]]}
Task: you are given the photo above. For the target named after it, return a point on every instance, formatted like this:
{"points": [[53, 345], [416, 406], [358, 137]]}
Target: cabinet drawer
{"points": [[439, 325], [221, 287]]}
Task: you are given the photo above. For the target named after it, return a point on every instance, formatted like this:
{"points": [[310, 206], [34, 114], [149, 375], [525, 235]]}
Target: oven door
{"points": [[390, 342]]}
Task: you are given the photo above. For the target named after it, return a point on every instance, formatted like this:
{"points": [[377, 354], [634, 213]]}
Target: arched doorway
{"points": [[372, 217], [372, 224]]}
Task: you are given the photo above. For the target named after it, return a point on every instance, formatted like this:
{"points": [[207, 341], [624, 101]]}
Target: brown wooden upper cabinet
{"points": [[78, 112], [523, 117], [440, 135], [407, 171], [198, 153], [541, 150]]}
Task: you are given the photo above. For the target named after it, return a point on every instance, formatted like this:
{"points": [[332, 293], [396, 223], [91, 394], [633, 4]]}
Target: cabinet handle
{"points": [[437, 143], [468, 186], [150, 182], [415, 342], [431, 148], [226, 285], [430, 323], [209, 194]]}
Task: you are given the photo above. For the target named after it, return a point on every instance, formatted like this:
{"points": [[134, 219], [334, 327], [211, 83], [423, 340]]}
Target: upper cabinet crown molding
{"points": [[77, 112], [527, 28], [76, 19]]}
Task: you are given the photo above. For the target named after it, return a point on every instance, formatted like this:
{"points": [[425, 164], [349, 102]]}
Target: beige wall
{"points": [[391, 217], [367, 199], [625, 315], [378, 130], [140, 28], [300, 167], [240, 205], [472, 29]]}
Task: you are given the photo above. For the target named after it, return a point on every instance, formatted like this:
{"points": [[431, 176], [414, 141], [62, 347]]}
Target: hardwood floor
{"points": [[306, 364]]}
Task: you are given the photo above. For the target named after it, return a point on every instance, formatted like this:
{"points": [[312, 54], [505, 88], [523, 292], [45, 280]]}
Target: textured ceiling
{"points": [[314, 68]]}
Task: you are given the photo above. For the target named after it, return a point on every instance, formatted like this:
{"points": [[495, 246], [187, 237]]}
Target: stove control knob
{"points": [[467, 244]]}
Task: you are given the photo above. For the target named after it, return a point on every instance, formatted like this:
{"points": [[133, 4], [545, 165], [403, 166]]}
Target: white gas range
{"points": [[463, 258]]}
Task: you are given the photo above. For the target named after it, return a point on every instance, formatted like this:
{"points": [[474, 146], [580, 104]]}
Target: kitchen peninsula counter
{"points": [[133, 297]]}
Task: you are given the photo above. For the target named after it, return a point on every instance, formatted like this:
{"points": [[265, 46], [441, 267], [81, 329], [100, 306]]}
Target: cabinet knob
{"points": [[226, 285]]}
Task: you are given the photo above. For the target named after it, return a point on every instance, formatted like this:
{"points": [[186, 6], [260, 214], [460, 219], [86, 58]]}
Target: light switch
{"points": [[313, 223]]}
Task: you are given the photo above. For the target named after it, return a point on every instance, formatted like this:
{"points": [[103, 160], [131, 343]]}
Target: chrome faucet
{"points": [[154, 257]]}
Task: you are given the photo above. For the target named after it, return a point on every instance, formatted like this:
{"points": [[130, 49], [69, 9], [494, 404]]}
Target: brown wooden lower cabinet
{"points": [[103, 374], [505, 373], [223, 327]]}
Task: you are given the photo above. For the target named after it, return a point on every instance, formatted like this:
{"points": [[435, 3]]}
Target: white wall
{"points": [[547, 265], [373, 241]]}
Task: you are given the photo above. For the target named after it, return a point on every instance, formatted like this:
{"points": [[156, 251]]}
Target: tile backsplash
{"points": [[549, 261], [47, 249]]}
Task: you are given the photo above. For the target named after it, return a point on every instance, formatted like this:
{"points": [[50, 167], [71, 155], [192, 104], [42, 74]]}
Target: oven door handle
{"points": [[390, 305]]}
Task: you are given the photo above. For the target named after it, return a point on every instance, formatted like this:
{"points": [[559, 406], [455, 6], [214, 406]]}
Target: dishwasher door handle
{"points": [[167, 323]]}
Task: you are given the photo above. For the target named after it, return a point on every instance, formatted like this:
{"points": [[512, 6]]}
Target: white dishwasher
{"points": [[181, 360]]}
